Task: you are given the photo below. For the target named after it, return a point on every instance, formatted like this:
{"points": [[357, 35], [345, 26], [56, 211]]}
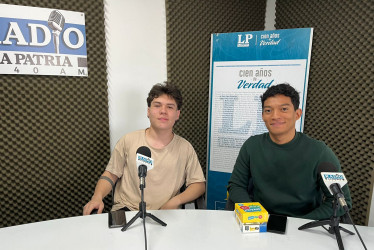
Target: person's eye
{"points": [[284, 109], [267, 111]]}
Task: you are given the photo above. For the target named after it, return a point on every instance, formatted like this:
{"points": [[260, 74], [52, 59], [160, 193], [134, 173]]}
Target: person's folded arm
{"points": [[239, 181], [192, 192], [238, 188], [325, 210]]}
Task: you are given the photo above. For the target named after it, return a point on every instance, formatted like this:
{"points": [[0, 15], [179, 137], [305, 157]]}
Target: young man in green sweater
{"points": [[283, 164]]}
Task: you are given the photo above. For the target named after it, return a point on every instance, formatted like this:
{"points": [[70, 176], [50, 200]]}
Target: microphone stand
{"points": [[143, 214], [333, 223], [142, 207]]}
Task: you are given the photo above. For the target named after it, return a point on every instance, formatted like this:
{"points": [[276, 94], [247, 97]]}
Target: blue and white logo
{"points": [[333, 177], [243, 40], [42, 41], [144, 160]]}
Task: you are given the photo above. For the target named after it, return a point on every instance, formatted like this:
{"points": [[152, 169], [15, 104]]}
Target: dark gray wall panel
{"points": [[189, 26], [339, 106], [54, 131]]}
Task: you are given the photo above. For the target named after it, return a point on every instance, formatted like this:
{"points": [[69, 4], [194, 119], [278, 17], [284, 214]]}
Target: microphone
{"points": [[144, 162], [56, 22], [334, 181]]}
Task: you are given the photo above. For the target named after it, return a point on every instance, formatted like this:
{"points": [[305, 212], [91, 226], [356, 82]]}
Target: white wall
{"points": [[270, 15], [136, 49], [371, 215], [136, 55]]}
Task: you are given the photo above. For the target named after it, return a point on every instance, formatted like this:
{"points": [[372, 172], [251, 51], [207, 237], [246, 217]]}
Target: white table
{"points": [[186, 229]]}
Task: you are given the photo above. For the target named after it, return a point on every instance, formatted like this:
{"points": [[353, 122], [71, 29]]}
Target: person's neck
{"points": [[282, 139], [159, 138]]}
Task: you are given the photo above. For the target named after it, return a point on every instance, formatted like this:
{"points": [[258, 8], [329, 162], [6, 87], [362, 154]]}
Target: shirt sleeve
{"points": [[239, 180], [117, 160], [194, 172], [325, 210]]}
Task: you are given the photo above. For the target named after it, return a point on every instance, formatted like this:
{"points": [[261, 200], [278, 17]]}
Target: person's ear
{"points": [[299, 112]]}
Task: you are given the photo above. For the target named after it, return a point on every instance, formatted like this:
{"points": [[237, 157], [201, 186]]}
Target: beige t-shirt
{"points": [[174, 165]]}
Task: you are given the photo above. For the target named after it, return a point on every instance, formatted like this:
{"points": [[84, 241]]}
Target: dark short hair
{"points": [[282, 89], [165, 88]]}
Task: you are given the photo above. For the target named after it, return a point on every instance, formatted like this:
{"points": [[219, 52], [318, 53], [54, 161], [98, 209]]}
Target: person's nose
{"points": [[275, 114], [163, 109]]}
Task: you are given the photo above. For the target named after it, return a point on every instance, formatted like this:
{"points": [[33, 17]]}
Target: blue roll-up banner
{"points": [[243, 65]]}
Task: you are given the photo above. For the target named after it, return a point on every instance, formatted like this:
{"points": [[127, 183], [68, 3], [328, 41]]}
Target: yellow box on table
{"points": [[251, 217]]}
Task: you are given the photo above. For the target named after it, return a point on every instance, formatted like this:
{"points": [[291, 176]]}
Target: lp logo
{"points": [[244, 41]]}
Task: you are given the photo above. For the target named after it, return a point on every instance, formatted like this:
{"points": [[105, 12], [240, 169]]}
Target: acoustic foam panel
{"points": [[54, 131], [339, 107], [189, 28]]}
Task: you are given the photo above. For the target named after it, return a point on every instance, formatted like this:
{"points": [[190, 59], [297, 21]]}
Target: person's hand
{"points": [[94, 203], [173, 203]]}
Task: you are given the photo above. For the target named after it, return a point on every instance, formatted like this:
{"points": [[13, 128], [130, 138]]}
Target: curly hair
{"points": [[282, 89], [165, 88]]}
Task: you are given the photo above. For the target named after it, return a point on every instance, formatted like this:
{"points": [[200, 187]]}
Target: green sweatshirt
{"points": [[285, 178]]}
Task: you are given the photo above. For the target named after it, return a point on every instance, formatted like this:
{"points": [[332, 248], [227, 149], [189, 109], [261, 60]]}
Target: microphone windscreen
{"points": [[143, 150], [326, 167]]}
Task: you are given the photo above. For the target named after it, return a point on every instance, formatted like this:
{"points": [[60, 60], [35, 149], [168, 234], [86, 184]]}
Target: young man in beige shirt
{"points": [[175, 161]]}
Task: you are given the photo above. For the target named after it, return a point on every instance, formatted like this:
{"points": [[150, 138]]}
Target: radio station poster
{"points": [[41, 41], [243, 66]]}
